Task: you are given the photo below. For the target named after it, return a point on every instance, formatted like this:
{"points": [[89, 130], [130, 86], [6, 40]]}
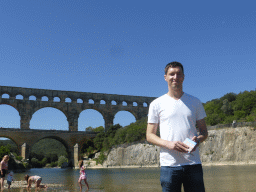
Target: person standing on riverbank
{"points": [[3, 169], [177, 114], [83, 175]]}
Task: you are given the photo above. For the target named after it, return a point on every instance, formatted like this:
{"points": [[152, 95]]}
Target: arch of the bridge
{"points": [[9, 137], [102, 103], [26, 139], [61, 140]]}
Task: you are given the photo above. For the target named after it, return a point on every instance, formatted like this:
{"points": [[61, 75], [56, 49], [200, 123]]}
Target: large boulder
{"points": [[16, 165]]}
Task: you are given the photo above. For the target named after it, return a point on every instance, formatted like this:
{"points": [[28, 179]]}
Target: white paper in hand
{"points": [[190, 143]]}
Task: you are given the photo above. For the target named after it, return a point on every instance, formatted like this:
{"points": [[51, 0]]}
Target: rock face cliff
{"points": [[141, 154], [231, 144], [223, 145]]}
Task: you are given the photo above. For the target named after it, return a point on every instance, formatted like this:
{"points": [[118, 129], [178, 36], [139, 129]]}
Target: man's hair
{"points": [[173, 64]]}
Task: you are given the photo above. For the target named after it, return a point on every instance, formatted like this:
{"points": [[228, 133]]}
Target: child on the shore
{"points": [[83, 175], [9, 179], [36, 179]]}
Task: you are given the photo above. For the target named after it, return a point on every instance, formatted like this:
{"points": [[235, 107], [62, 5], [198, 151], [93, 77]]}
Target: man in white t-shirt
{"points": [[177, 114]]}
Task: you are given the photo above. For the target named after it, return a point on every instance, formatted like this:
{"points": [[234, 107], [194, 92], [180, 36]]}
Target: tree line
{"points": [[240, 107], [43, 154], [115, 135]]}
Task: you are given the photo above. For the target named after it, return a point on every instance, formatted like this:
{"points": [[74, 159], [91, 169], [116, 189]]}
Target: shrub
{"points": [[19, 158], [26, 165], [250, 118], [4, 150], [43, 162], [101, 158], [62, 159], [35, 163], [54, 164]]}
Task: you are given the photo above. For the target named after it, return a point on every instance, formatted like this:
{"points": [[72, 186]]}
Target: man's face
{"points": [[174, 77]]}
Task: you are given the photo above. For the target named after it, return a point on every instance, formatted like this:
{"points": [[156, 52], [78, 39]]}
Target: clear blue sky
{"points": [[122, 47]]}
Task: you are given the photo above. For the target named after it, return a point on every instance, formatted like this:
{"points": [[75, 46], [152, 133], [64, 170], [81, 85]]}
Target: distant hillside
{"points": [[11, 144], [240, 107], [49, 146], [43, 147]]}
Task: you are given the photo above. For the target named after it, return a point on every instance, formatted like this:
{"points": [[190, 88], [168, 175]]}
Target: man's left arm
{"points": [[203, 133]]}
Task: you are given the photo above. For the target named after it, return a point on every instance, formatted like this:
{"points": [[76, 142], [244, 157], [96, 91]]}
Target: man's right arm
{"points": [[151, 135], [171, 145]]}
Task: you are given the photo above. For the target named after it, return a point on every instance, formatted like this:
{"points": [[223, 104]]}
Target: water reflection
{"points": [[230, 178], [217, 178]]}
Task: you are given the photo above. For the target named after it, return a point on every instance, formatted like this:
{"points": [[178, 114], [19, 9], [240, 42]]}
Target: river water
{"points": [[216, 178]]}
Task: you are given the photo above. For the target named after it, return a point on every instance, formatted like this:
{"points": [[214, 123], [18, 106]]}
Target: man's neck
{"points": [[175, 94]]}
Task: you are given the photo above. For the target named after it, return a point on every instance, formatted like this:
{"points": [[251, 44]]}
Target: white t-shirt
{"points": [[177, 121]]}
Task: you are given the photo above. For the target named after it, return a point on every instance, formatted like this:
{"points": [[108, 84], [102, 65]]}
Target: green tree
{"points": [[229, 97], [89, 150], [120, 136], [43, 162], [101, 158], [229, 119], [212, 119], [53, 146], [62, 159], [4, 150], [89, 129], [54, 164], [86, 145], [35, 163], [239, 114], [51, 158], [227, 107], [112, 130], [245, 101], [250, 118], [107, 143], [98, 140], [99, 129]]}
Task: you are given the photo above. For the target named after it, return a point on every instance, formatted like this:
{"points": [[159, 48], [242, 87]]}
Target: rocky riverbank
{"points": [[16, 165], [226, 146], [23, 184]]}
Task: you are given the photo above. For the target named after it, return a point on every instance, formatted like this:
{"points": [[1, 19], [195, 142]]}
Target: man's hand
{"points": [[171, 145], [203, 133], [195, 139], [177, 146]]}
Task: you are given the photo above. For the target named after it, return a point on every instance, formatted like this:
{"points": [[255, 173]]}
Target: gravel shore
{"points": [[23, 184]]}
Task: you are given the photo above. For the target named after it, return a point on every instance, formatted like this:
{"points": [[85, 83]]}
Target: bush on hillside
{"points": [[240, 107], [62, 159], [54, 164], [4, 150]]}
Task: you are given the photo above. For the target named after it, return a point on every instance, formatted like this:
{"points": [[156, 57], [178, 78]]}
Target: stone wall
{"points": [[231, 144], [140, 154], [223, 145]]}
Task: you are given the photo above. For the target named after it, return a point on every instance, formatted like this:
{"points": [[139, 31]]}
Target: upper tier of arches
{"points": [[27, 101], [72, 97]]}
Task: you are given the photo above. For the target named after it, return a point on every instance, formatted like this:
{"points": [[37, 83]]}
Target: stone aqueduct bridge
{"points": [[26, 138], [27, 101]]}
